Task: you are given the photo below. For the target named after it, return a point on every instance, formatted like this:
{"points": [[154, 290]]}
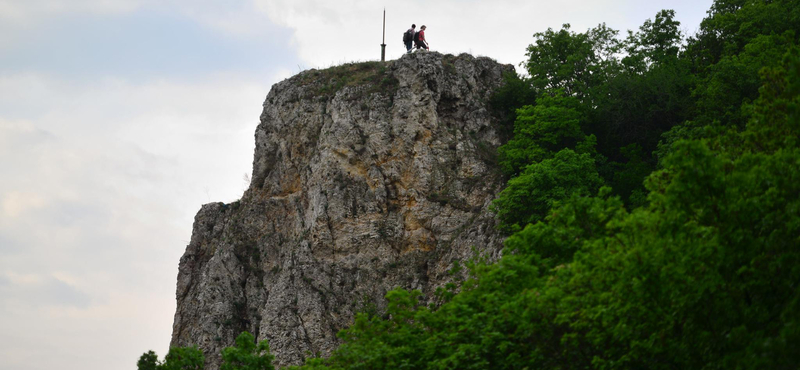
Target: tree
{"points": [[515, 92], [540, 131], [732, 24], [658, 41], [572, 62], [622, 101], [178, 358], [529, 197], [247, 355], [148, 361], [183, 358]]}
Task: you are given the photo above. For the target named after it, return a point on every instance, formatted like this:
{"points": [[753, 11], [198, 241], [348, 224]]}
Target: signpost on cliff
{"points": [[383, 41]]}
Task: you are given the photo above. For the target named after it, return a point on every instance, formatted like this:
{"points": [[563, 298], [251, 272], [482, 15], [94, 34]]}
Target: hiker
{"points": [[408, 38], [419, 39]]}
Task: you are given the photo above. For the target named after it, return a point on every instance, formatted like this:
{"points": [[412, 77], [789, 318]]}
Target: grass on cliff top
{"points": [[328, 81]]}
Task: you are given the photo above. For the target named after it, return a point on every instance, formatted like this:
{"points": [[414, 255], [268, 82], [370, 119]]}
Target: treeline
{"points": [[652, 208]]}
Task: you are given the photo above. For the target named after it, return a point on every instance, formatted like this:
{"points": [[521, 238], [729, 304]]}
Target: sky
{"points": [[120, 118]]}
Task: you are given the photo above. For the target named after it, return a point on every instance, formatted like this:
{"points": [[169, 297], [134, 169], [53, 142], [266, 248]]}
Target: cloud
{"points": [[34, 292], [234, 17], [114, 141], [97, 205], [31, 12], [102, 335], [146, 44], [16, 202]]}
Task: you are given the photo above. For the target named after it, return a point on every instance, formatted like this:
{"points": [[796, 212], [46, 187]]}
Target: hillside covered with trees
{"points": [[652, 212]]}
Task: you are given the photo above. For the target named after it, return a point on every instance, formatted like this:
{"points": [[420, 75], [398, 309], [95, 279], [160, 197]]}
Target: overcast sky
{"points": [[119, 118]]}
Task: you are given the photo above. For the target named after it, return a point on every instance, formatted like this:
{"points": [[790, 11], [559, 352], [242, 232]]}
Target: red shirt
{"points": [[421, 35]]}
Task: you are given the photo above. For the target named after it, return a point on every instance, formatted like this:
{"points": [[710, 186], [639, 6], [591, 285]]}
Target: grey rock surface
{"points": [[366, 177]]}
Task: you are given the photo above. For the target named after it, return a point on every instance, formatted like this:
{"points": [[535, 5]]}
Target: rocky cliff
{"points": [[366, 177]]}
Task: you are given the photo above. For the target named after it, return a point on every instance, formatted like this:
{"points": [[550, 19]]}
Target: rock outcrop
{"points": [[366, 177]]}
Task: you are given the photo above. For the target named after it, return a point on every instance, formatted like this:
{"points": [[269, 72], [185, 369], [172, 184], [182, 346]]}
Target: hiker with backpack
{"points": [[408, 38], [419, 39]]}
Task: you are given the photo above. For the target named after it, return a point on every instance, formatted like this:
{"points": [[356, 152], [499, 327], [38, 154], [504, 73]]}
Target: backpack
{"points": [[407, 36], [416, 36]]}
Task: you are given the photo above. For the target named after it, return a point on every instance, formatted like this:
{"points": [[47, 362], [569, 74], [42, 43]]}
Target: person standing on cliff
{"points": [[408, 38], [419, 37]]}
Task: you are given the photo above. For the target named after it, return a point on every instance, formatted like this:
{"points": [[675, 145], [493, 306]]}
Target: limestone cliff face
{"points": [[366, 177]]}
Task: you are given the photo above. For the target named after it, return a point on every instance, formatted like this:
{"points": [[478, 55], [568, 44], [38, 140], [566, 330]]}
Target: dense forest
{"points": [[652, 213]]}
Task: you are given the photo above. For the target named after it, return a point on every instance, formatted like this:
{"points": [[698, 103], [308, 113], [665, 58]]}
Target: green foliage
{"points": [[775, 116], [515, 92], [732, 24], [541, 130], [656, 42], [625, 92], [183, 358], [244, 355], [567, 227], [247, 355], [734, 43], [529, 196], [687, 283], [628, 177], [735, 79], [569, 61], [178, 358], [148, 361], [639, 104]]}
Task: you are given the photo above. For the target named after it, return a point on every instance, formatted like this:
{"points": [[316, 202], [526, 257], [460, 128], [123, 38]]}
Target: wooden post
{"points": [[383, 42]]}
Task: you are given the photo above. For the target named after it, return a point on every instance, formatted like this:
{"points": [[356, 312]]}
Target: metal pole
{"points": [[383, 42]]}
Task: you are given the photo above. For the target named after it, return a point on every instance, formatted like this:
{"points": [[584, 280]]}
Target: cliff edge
{"points": [[366, 177]]}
